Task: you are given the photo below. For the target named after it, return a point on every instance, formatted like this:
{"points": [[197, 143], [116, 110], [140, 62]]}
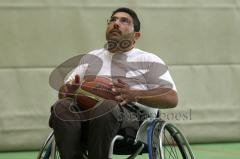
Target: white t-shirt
{"points": [[142, 70]]}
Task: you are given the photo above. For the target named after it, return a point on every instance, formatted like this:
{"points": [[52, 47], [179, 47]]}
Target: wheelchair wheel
{"points": [[165, 141], [49, 150]]}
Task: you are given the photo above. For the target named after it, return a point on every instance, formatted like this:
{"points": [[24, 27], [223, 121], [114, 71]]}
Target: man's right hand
{"points": [[68, 89]]}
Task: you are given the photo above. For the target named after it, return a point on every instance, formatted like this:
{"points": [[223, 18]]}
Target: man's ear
{"points": [[137, 35]]}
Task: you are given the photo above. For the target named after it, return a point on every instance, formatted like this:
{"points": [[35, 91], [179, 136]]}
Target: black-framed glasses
{"points": [[122, 20]]}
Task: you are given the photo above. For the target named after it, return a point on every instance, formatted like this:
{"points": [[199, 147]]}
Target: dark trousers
{"points": [[74, 134]]}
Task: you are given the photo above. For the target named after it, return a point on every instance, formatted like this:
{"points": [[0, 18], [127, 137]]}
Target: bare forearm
{"points": [[161, 98], [157, 98]]}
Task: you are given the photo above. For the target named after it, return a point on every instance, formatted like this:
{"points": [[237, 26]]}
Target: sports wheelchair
{"points": [[161, 139]]}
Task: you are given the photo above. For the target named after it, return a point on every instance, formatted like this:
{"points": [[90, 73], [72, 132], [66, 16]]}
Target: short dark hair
{"points": [[133, 14]]}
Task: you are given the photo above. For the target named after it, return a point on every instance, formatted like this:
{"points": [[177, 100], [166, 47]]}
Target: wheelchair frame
{"points": [[151, 133]]}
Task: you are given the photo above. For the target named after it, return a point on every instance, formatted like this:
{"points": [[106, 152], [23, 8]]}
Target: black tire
{"points": [[48, 149]]}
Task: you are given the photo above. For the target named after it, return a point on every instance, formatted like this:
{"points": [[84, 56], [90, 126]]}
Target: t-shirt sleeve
{"points": [[158, 74]]}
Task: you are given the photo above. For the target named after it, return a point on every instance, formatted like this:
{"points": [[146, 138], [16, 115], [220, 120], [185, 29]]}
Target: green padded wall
{"points": [[199, 39]]}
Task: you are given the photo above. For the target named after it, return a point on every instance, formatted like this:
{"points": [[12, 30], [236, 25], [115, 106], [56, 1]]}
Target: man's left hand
{"points": [[124, 93]]}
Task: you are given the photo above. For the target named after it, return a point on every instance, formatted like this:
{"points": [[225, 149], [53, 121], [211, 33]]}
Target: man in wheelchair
{"points": [[139, 85]]}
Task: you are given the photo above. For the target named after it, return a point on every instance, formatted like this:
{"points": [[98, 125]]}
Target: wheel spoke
{"points": [[168, 143]]}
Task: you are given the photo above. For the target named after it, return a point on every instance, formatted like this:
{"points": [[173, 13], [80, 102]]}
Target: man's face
{"points": [[120, 26]]}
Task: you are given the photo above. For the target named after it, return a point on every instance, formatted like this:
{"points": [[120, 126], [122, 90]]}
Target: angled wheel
{"points": [[48, 149], [165, 141]]}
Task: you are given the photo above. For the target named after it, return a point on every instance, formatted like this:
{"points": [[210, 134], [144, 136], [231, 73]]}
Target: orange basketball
{"points": [[93, 90]]}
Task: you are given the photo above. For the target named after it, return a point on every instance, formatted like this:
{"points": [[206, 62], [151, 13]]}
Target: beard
{"points": [[118, 35], [118, 42], [114, 34]]}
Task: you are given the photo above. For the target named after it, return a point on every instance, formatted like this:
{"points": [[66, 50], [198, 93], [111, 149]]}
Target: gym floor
{"points": [[201, 151]]}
